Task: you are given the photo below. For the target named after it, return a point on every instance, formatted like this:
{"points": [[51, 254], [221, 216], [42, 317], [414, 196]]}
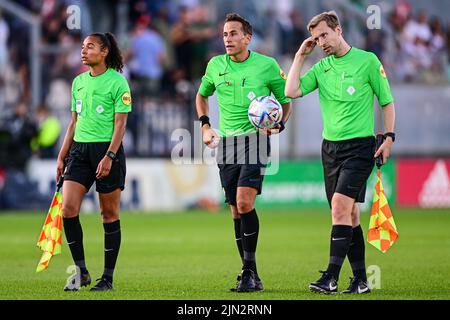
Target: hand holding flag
{"points": [[382, 229]]}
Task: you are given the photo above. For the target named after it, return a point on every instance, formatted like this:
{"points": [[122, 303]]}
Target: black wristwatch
{"points": [[390, 134], [111, 154]]}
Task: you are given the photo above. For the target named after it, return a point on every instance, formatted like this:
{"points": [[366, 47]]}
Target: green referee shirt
{"points": [[96, 100], [237, 84], [346, 90]]}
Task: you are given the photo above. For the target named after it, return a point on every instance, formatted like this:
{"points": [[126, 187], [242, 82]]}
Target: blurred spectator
{"points": [[161, 23], [438, 41], [418, 30], [49, 130], [183, 42], [4, 35], [146, 58], [19, 129], [375, 42], [415, 45], [201, 32], [400, 15], [297, 34]]}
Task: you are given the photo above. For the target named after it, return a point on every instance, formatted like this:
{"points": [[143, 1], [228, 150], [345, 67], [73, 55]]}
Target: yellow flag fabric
{"points": [[50, 238], [382, 229]]}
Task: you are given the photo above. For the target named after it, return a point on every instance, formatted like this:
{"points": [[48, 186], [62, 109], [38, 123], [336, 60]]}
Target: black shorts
{"points": [[82, 164], [347, 165], [242, 161]]}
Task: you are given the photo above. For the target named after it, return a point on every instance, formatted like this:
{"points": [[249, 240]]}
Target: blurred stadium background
{"points": [[166, 44]]}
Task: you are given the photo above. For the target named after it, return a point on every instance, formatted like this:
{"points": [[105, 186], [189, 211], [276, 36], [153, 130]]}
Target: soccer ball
{"points": [[265, 112]]}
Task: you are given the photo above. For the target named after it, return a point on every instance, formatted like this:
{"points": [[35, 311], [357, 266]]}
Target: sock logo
{"points": [[336, 239], [249, 234]]}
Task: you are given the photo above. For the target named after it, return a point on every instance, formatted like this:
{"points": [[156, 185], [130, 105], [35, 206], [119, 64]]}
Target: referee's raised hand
{"points": [[307, 47]]}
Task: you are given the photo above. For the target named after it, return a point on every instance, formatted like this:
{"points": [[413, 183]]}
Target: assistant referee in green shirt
{"points": [[347, 79], [238, 77], [92, 151]]}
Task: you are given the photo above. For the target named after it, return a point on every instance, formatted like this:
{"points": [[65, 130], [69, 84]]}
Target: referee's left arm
{"points": [[120, 123], [380, 85]]}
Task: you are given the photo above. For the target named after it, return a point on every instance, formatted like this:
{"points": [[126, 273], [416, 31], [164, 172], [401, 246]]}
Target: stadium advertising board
{"points": [[300, 184], [423, 183]]}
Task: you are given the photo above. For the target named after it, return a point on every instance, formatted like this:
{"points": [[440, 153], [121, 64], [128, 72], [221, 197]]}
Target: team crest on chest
{"points": [[100, 109], [351, 90], [251, 95]]}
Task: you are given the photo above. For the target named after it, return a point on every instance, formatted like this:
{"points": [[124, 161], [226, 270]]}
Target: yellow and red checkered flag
{"points": [[382, 229], [50, 238]]}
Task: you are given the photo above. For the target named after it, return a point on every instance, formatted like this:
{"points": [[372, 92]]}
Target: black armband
{"points": [[205, 120]]}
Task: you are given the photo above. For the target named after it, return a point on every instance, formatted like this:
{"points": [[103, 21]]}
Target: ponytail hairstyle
{"points": [[114, 58]]}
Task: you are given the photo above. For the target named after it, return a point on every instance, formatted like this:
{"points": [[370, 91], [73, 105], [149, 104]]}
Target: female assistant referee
{"points": [[92, 151]]}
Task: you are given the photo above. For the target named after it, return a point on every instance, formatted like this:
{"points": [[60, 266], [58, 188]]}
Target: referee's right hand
{"points": [[307, 47], [59, 169], [210, 137]]}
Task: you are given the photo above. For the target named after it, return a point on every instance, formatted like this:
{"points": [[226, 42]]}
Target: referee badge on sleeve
{"points": [[282, 74], [126, 98], [383, 73]]}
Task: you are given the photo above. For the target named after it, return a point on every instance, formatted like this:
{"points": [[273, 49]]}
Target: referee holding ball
{"points": [[92, 151]]}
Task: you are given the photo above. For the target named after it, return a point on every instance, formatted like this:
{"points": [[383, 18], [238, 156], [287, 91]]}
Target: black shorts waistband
{"points": [[361, 140]]}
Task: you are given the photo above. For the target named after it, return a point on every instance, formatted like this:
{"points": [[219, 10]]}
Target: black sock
{"points": [[238, 236], [356, 254], [74, 236], [341, 236], [112, 246], [250, 230]]}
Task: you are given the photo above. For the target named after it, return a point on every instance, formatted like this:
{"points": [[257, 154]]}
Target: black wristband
{"points": [[205, 120], [111, 154], [390, 134], [282, 126]]}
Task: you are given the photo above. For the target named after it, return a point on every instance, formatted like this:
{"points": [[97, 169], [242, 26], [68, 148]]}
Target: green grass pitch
{"points": [[193, 256]]}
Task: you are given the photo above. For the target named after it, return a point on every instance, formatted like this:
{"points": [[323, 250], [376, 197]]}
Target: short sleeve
{"points": [[207, 86], [308, 82], [379, 82], [277, 83], [122, 97], [73, 108]]}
